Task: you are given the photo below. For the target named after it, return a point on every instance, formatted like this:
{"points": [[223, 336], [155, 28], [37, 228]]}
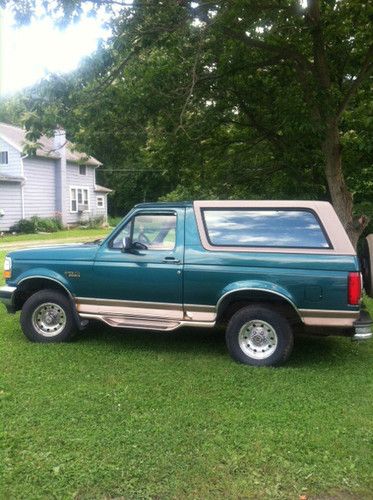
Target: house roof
{"points": [[102, 189], [16, 137]]}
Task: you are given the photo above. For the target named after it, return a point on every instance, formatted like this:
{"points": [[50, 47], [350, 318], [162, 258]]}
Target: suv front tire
{"points": [[47, 317]]}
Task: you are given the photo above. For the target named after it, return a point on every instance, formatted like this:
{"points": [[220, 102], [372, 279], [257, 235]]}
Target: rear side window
{"points": [[264, 228]]}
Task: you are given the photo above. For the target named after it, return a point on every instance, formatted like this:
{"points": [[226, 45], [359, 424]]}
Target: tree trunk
{"points": [[340, 195]]}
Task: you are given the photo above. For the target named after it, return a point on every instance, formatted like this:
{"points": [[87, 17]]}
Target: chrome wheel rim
{"points": [[258, 339], [49, 319]]}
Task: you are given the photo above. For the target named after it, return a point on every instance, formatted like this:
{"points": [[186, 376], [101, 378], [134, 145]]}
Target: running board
{"points": [[141, 323]]}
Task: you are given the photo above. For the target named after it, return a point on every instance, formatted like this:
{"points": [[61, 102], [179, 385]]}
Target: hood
{"points": [[71, 252]]}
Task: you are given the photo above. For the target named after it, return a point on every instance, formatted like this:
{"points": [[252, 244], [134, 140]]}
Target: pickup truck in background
{"points": [[262, 268]]}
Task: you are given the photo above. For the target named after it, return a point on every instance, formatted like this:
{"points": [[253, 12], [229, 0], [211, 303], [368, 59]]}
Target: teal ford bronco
{"points": [[263, 268]]}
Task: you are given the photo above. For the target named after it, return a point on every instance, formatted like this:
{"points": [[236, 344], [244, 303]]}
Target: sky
{"points": [[28, 53]]}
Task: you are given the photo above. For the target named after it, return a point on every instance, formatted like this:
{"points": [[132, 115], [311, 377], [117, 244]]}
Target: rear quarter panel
{"points": [[311, 281]]}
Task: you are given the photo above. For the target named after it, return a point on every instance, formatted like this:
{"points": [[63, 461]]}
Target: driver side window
{"points": [[117, 243], [156, 231]]}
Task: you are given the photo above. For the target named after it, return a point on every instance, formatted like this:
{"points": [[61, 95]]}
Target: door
{"points": [[146, 279]]}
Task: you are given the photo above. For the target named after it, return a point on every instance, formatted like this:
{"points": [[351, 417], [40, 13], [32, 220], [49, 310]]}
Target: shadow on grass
{"points": [[308, 349], [181, 341]]}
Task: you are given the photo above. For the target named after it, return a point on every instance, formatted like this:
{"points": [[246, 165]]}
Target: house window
{"points": [[83, 169], [79, 199], [3, 157], [73, 205], [100, 202]]}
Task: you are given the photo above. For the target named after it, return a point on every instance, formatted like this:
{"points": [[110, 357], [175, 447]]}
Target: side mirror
{"points": [[126, 244]]}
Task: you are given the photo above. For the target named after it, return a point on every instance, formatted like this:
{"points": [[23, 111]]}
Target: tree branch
{"points": [[191, 88], [321, 67], [115, 72], [263, 130], [286, 51], [366, 68]]}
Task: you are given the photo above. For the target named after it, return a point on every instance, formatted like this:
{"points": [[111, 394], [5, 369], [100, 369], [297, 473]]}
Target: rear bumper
{"points": [[6, 297], [363, 327]]}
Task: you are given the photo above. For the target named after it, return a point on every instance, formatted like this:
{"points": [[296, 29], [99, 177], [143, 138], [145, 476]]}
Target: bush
{"points": [[25, 226], [93, 223], [114, 221], [49, 225], [37, 224]]}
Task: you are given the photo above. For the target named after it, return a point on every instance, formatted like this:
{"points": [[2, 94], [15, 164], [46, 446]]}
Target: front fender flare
{"points": [[47, 274], [42, 272]]}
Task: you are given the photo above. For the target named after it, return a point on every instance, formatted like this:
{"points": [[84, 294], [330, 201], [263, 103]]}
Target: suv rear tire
{"points": [[259, 336], [366, 261], [47, 317]]}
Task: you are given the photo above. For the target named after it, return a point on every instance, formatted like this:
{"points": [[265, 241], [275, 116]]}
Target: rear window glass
{"points": [[264, 228]]}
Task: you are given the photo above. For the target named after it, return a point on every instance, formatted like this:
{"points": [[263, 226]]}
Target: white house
{"points": [[56, 180]]}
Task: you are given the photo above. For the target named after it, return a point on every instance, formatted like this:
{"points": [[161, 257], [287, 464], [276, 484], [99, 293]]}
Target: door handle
{"points": [[171, 260]]}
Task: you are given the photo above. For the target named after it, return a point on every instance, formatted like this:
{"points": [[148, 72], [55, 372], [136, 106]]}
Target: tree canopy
{"points": [[234, 99]]}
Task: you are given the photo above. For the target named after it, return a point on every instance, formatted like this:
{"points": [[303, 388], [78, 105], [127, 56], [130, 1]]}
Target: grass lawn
{"points": [[169, 415], [72, 233]]}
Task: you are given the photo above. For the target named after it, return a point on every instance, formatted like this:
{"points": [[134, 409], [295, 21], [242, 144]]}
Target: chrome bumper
{"points": [[363, 327], [6, 296]]}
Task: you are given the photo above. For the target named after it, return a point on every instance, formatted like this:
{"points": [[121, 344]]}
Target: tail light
{"points": [[354, 288]]}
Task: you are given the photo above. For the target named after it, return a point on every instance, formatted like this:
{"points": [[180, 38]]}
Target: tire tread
{"points": [[283, 331], [47, 295]]}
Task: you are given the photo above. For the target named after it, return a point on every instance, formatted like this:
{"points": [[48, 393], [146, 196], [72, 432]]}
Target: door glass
{"points": [[156, 231], [117, 243]]}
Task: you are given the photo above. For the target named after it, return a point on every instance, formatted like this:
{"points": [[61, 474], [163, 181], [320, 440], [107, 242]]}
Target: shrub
{"points": [[23, 226], [114, 221], [48, 224], [37, 224], [93, 223]]}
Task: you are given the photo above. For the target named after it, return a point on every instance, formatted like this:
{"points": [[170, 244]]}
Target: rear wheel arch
{"points": [[232, 301]]}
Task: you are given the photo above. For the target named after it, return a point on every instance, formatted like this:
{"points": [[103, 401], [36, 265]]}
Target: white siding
{"points": [[100, 211], [14, 166], [84, 181], [11, 203], [40, 190]]}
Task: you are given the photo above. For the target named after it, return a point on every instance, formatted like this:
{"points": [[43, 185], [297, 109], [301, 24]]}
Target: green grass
{"points": [[169, 415], [72, 233]]}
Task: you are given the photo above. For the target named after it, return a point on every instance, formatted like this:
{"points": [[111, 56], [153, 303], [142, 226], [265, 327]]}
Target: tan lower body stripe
{"points": [[328, 318], [196, 313]]}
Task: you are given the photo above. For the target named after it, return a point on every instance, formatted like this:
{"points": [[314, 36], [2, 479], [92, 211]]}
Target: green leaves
{"points": [[215, 100]]}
